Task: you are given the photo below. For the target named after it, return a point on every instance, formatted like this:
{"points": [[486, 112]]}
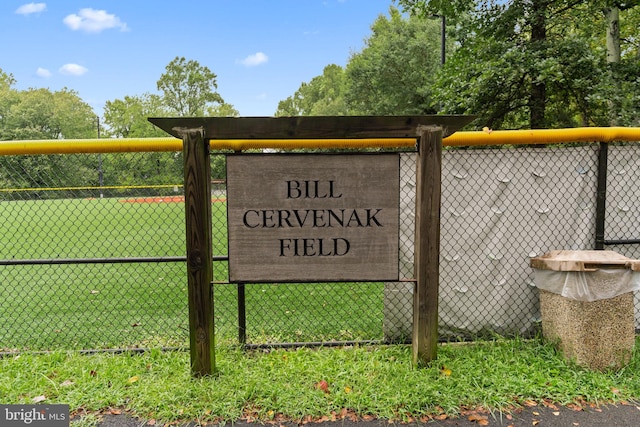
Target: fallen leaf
{"points": [[530, 403], [536, 413], [615, 391], [576, 424], [115, 411], [483, 422], [480, 419], [556, 413], [445, 371], [441, 417], [535, 422], [151, 422], [323, 385], [39, 399], [343, 412], [66, 383], [133, 379]]}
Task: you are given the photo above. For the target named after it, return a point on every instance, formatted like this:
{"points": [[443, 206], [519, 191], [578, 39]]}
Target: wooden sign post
{"points": [[197, 191], [427, 245], [367, 213]]}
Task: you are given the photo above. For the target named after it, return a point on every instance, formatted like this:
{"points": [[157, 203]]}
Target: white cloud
{"points": [[29, 8], [94, 21], [43, 72], [73, 70], [255, 60]]}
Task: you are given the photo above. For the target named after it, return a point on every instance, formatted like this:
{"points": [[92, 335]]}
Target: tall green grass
{"points": [[279, 386], [90, 306]]}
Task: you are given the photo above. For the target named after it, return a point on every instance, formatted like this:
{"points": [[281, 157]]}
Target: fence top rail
{"points": [[458, 139], [543, 136]]}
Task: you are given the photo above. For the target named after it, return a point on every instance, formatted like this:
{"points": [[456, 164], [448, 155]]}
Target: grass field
{"points": [[88, 306]]}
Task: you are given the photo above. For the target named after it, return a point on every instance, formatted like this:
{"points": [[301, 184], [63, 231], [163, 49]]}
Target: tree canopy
{"points": [[513, 64], [393, 74], [186, 89], [536, 63], [43, 114]]}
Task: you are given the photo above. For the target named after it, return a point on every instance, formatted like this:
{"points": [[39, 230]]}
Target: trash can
{"points": [[586, 304]]}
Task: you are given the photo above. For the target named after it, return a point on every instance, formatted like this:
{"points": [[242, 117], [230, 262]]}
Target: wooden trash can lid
{"points": [[583, 261]]}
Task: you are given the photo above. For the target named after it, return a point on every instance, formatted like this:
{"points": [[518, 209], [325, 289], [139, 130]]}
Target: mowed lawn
{"points": [[118, 305]]}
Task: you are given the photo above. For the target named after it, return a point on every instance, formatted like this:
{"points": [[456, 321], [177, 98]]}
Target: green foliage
{"points": [[222, 110], [394, 73], [277, 386], [322, 96], [535, 63], [127, 118], [188, 88], [42, 114]]}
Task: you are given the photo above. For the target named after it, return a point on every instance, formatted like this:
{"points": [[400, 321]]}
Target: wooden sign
{"points": [[313, 217]]}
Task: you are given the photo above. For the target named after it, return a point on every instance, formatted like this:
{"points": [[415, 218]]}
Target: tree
{"points": [[42, 114], [188, 88], [394, 72], [322, 96], [127, 118], [7, 98], [222, 110], [527, 63], [611, 10]]}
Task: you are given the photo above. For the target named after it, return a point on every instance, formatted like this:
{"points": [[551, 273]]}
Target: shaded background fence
{"points": [[92, 250]]}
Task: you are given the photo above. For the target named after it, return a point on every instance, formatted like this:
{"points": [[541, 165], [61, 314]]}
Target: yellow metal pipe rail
{"points": [[458, 139], [543, 136]]}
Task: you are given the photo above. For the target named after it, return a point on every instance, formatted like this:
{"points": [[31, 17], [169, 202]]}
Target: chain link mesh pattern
{"points": [[92, 246]]}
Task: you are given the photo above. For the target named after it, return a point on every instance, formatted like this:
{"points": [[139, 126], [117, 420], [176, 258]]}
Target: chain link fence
{"points": [[92, 250]]}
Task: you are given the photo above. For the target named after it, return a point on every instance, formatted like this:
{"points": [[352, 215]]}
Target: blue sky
{"points": [[261, 50]]}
